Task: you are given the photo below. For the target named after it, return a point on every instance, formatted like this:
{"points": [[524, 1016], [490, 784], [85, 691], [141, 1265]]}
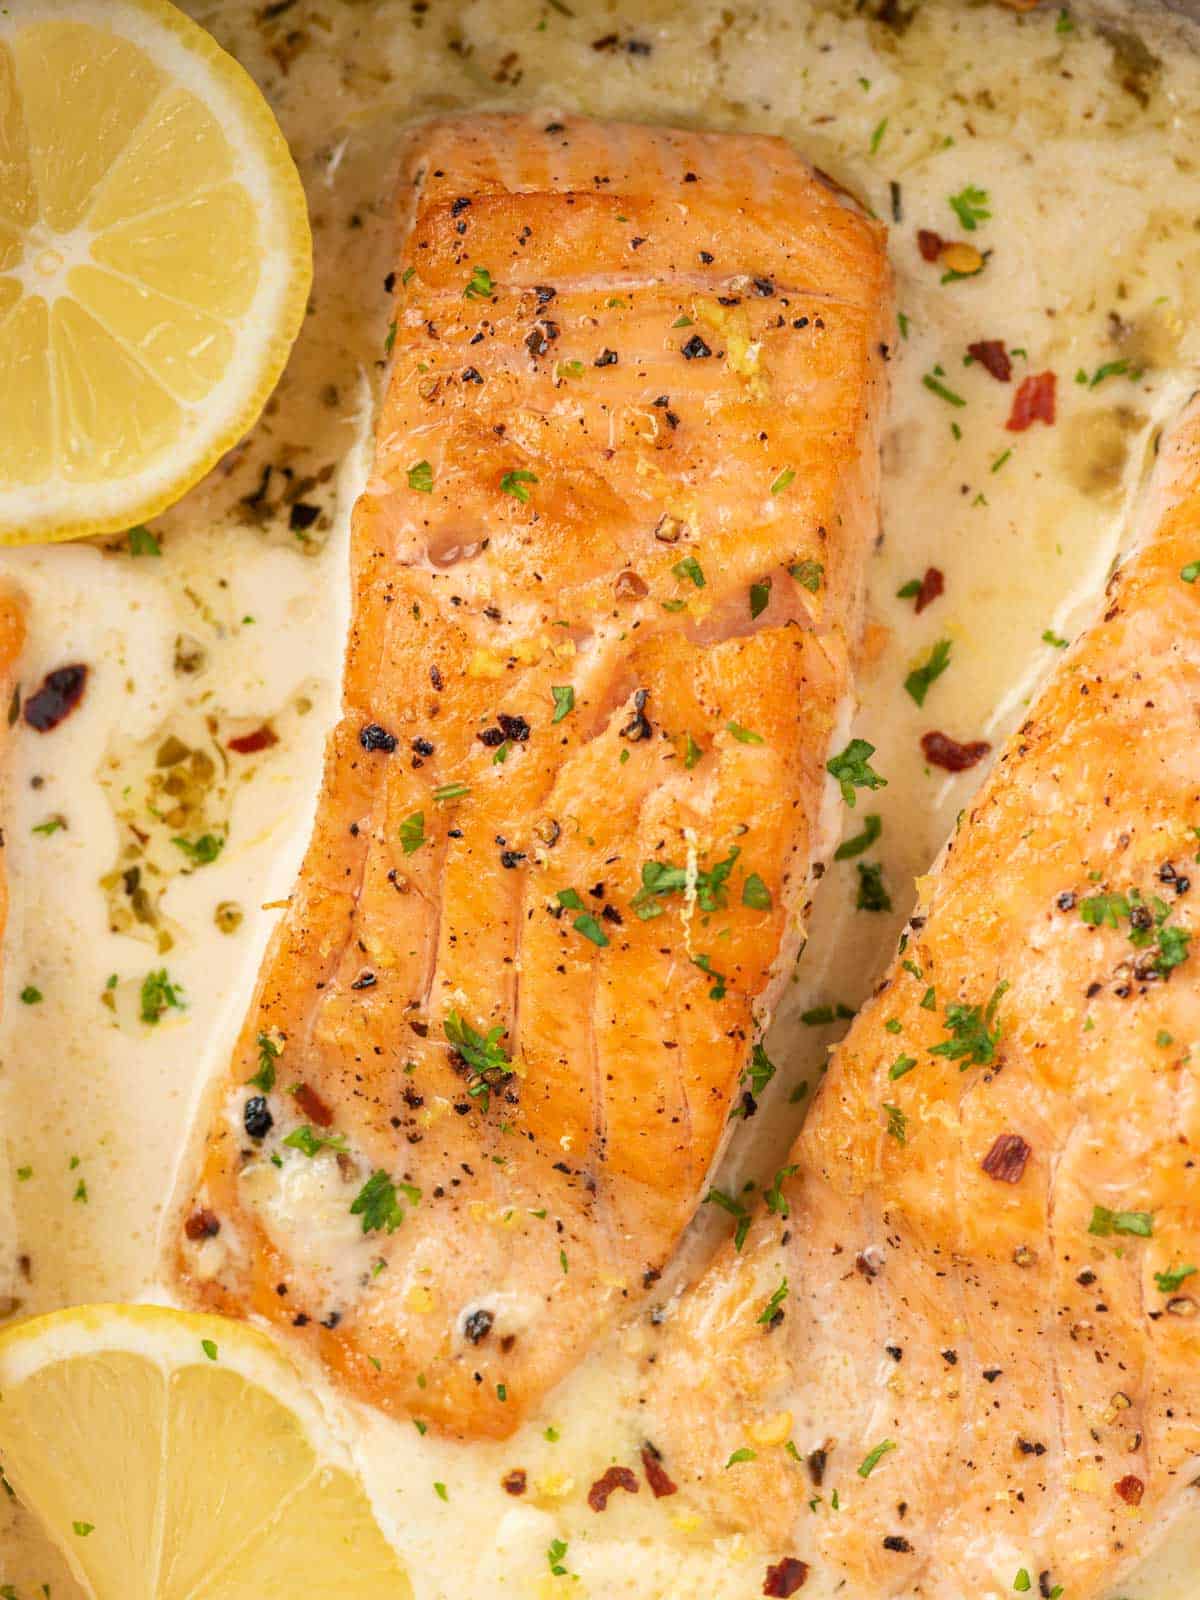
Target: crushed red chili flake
{"points": [[249, 744], [943, 751], [785, 1577], [202, 1224], [657, 1477], [60, 693], [313, 1107], [1130, 1489], [1005, 1161], [1033, 402], [933, 584], [614, 1478], [930, 244], [514, 1482], [992, 357]]}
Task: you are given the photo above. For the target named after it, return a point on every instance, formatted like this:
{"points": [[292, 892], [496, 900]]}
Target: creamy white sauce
{"points": [[1094, 201]]}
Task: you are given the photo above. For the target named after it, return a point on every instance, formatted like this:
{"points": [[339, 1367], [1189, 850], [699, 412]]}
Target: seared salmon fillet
{"points": [[966, 1326], [607, 580]]}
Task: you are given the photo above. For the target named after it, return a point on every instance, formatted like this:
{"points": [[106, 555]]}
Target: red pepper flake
{"points": [[933, 584], [202, 1224], [60, 693], [930, 244], [1005, 1161], [614, 1478], [249, 744], [943, 751], [1033, 402], [656, 1474], [313, 1107], [1130, 1489], [514, 1482], [992, 357], [785, 1577]]}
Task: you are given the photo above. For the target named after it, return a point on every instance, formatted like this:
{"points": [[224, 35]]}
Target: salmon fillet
{"points": [[987, 1345], [607, 577]]}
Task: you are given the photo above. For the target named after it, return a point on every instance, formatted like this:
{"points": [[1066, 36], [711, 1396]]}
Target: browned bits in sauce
{"points": [[785, 1577], [614, 1478], [1130, 1489], [202, 1224], [313, 1107], [992, 357], [514, 1482], [249, 744], [660, 1481], [1033, 402], [933, 585], [1005, 1161], [941, 750], [60, 693]]}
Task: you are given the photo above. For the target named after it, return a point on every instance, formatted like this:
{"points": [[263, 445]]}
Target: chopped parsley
{"points": [[735, 1208], [142, 542], [482, 1054], [743, 735], [853, 770], [1168, 1282], [556, 1552], [970, 206], [204, 850], [772, 1312], [268, 1055], [378, 1204], [738, 1456], [974, 1032], [873, 1457], [661, 878], [1109, 369], [31, 996], [1190, 572], [761, 1070], [1147, 925], [691, 752], [877, 135], [872, 894], [936, 386], [849, 848], [514, 483], [689, 567], [786, 477], [818, 1016], [901, 1067], [755, 893], [1105, 1222], [919, 680], [774, 1197], [311, 1143], [1022, 1582], [897, 1123], [159, 994], [564, 701], [451, 791], [420, 477], [760, 598], [479, 286], [717, 992], [808, 575], [209, 1348], [412, 833], [589, 927], [1055, 639]]}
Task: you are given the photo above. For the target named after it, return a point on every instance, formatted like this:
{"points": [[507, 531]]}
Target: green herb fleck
{"points": [[970, 206], [420, 477], [564, 701], [852, 769], [1105, 1222], [412, 833], [514, 483], [849, 848], [873, 1457]]}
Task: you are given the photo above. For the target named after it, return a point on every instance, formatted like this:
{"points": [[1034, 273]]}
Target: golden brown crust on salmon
{"points": [[607, 578], [993, 1244]]}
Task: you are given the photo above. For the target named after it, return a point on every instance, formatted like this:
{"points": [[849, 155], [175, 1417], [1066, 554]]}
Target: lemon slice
{"points": [[155, 261], [172, 1455]]}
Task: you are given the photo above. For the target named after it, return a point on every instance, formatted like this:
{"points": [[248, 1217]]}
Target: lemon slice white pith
{"points": [[155, 261], [180, 1457]]}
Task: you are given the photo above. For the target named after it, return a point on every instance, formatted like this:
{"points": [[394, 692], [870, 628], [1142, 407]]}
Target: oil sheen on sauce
{"points": [[154, 833]]}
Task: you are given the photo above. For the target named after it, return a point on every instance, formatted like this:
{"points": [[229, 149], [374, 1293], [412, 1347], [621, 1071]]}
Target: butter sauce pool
{"points": [[1059, 155]]}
